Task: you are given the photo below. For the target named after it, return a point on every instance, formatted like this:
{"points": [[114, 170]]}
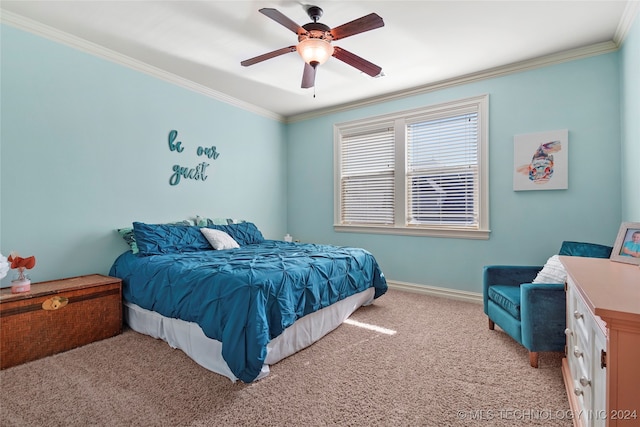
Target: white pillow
{"points": [[552, 272], [219, 239]]}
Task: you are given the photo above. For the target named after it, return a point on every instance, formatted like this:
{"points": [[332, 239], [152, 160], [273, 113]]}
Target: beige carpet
{"points": [[442, 367]]}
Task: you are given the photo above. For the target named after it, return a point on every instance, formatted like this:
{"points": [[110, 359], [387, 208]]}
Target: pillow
{"points": [[207, 222], [245, 233], [127, 234], [552, 272], [156, 239], [219, 239]]}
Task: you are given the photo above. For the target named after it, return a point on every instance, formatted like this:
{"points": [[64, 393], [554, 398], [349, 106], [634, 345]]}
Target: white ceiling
{"points": [[422, 43]]}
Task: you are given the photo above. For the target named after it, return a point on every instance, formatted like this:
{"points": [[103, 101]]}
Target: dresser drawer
{"points": [[608, 291], [585, 340], [580, 317]]}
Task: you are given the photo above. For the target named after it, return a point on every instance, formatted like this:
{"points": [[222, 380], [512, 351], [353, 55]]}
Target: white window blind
{"points": [[367, 177], [442, 171], [418, 172]]}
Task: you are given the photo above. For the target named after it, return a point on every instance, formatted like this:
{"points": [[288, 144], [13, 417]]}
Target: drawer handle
{"points": [[578, 391], [577, 352], [584, 381], [568, 332], [55, 303], [578, 315]]}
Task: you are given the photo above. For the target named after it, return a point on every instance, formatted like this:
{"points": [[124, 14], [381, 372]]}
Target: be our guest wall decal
{"points": [[197, 173]]}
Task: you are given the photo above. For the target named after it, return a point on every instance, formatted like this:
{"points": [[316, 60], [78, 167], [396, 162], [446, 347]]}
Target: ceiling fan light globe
{"points": [[315, 50]]}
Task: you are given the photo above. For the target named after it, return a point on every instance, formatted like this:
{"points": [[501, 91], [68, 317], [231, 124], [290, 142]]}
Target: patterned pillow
{"points": [[208, 222], [128, 236], [552, 272]]}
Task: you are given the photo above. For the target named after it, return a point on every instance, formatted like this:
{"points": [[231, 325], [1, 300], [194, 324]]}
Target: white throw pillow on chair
{"points": [[552, 272]]}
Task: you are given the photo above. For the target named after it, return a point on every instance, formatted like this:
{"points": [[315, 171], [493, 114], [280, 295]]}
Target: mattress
{"points": [[207, 352]]}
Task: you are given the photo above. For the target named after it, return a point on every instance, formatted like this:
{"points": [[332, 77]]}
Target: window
{"points": [[421, 172]]}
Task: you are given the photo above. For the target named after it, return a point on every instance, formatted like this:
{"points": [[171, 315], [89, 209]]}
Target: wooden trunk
{"points": [[57, 316]]}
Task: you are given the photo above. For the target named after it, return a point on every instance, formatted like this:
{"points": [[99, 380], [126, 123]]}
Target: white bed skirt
{"points": [[207, 352]]}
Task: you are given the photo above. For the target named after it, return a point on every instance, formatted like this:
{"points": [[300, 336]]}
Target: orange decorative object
{"points": [[22, 283], [20, 263]]}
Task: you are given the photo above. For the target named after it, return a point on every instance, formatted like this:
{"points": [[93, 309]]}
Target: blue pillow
{"points": [[156, 239], [245, 233], [127, 234]]}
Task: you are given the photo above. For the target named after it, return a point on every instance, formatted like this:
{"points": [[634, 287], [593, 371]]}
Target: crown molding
{"points": [[86, 46], [629, 15], [78, 43], [516, 67]]}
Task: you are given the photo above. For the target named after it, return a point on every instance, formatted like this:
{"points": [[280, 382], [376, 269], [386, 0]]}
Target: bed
{"points": [[238, 307]]}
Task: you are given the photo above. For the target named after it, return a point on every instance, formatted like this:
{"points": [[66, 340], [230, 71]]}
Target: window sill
{"points": [[452, 233]]}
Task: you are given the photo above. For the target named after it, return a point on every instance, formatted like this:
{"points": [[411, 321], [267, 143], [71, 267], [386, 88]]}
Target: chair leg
{"points": [[533, 359], [492, 325]]}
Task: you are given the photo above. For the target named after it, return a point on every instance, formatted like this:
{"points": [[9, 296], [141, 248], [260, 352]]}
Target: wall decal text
{"points": [[175, 146], [209, 152], [197, 173]]}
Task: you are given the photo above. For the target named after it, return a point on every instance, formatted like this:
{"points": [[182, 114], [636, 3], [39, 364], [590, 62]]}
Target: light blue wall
{"points": [[84, 151], [630, 101], [527, 227]]}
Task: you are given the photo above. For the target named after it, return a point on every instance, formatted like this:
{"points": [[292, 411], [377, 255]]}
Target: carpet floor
{"points": [[432, 362]]}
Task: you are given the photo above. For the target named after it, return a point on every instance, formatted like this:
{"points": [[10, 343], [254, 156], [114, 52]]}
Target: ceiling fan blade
{"points": [[282, 20], [308, 76], [266, 56], [355, 61], [360, 25]]}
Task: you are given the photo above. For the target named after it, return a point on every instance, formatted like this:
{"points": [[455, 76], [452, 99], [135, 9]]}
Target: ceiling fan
{"points": [[314, 42]]}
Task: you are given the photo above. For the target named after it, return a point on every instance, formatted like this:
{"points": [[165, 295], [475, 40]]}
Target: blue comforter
{"points": [[247, 296]]}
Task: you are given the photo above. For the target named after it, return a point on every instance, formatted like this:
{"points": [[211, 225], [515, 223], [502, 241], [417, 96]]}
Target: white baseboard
{"points": [[436, 291]]}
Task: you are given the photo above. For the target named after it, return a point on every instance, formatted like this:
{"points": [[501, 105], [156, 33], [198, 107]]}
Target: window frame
{"points": [[399, 120]]}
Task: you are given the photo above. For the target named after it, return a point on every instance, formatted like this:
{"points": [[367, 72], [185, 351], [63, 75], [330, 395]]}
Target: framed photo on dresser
{"points": [[627, 246]]}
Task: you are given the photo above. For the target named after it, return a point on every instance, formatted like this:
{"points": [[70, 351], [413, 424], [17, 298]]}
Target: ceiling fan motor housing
{"points": [[314, 45], [316, 30]]}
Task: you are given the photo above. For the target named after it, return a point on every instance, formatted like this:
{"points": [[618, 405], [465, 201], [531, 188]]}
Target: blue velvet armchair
{"points": [[532, 314]]}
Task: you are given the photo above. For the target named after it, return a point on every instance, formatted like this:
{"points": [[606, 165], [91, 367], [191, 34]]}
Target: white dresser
{"points": [[601, 369]]}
